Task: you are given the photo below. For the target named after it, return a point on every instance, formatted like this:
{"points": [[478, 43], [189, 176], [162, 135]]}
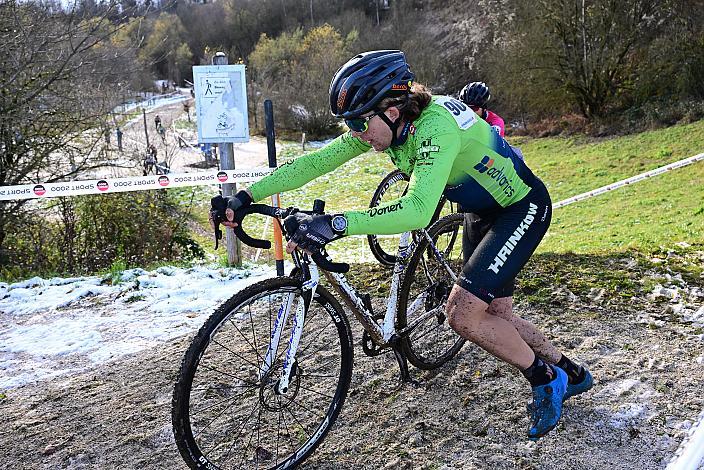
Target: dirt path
{"points": [[181, 159], [469, 414]]}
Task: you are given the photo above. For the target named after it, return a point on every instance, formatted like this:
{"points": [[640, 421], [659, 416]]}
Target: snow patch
{"points": [[42, 338], [627, 415]]}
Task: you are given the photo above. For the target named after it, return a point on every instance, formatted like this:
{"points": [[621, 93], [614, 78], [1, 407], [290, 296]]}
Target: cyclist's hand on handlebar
{"points": [[312, 232], [241, 199], [222, 211]]}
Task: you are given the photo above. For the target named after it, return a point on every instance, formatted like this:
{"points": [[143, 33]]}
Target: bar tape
{"points": [[133, 183], [632, 179]]}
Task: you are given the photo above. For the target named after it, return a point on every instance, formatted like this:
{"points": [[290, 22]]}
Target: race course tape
{"points": [[133, 183], [138, 183], [632, 179]]}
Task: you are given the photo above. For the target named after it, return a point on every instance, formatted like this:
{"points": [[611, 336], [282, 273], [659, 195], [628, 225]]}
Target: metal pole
{"points": [[227, 162], [146, 132], [276, 202]]}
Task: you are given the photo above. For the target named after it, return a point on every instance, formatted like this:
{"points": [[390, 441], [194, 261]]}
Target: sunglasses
{"points": [[360, 124]]}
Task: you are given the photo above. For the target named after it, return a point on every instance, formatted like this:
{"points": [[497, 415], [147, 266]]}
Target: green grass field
{"points": [[658, 212], [649, 216]]}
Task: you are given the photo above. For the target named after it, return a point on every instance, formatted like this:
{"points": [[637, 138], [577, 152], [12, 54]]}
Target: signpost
{"points": [[221, 108]]}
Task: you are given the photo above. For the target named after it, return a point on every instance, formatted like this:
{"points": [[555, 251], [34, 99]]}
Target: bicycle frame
{"points": [[384, 336]]}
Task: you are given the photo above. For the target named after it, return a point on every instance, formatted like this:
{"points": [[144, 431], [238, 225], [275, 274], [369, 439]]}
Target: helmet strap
{"points": [[397, 140]]}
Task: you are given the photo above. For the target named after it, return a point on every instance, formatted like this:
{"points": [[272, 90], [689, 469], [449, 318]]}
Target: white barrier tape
{"points": [[133, 183], [633, 179], [73, 188]]}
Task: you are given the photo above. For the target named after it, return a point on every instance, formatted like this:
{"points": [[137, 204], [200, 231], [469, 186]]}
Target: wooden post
{"points": [[227, 162], [275, 200]]}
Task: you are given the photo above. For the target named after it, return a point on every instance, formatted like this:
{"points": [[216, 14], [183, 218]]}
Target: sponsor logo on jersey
{"points": [[513, 240], [423, 153], [374, 211], [497, 174], [485, 164]]}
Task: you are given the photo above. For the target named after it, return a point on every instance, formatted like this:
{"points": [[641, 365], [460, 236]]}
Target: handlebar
{"points": [[320, 258]]}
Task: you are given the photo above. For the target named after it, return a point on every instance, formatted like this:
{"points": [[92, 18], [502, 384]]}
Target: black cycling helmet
{"points": [[366, 79], [475, 94]]}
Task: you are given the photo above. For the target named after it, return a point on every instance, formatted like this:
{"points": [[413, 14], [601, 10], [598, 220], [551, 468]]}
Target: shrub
{"points": [[294, 71], [87, 234]]}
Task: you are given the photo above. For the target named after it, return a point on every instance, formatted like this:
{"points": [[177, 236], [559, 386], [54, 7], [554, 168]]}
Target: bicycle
{"points": [[265, 378], [393, 186]]}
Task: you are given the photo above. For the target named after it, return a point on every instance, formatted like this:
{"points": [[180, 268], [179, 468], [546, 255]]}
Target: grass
{"points": [[650, 216], [660, 211]]}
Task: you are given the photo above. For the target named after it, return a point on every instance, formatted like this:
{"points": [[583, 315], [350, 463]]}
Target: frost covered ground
{"points": [[53, 327], [87, 370]]}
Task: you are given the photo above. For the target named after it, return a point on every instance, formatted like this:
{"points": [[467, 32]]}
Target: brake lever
{"points": [[217, 216], [216, 227]]}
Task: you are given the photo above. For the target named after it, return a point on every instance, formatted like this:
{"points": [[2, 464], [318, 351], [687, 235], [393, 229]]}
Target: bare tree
{"points": [[59, 79], [593, 45]]}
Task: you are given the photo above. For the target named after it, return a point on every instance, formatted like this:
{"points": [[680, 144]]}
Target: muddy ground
{"points": [[645, 352]]}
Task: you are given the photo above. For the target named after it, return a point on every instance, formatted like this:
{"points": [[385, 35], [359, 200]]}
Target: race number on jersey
{"points": [[464, 116]]}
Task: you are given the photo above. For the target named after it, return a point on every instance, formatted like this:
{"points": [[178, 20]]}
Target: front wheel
{"points": [[227, 413], [423, 294]]}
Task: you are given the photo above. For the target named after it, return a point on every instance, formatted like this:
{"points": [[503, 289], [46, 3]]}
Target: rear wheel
{"points": [[423, 295], [393, 186], [227, 414]]}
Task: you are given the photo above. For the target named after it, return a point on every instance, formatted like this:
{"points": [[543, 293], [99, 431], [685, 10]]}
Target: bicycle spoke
{"points": [[200, 410], [230, 416], [236, 355], [315, 391], [228, 374], [320, 331], [318, 376], [254, 336], [245, 338]]}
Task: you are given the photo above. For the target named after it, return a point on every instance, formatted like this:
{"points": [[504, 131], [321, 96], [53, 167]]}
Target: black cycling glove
{"points": [[219, 204], [313, 232], [241, 199]]}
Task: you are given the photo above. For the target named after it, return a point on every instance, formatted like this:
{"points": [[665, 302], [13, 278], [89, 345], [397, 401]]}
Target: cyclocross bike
{"points": [[393, 186], [266, 376]]}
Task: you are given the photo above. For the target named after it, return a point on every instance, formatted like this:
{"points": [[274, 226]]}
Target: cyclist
{"points": [[476, 95], [445, 148], [150, 160]]}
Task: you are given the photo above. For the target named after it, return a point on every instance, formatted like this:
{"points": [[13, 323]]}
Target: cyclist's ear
{"points": [[393, 113]]}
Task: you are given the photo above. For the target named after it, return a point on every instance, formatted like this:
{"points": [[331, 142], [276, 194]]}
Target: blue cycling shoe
{"points": [[547, 405], [581, 387]]}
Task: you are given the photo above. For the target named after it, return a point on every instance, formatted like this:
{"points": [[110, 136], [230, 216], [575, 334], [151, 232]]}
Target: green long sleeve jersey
{"points": [[449, 150]]}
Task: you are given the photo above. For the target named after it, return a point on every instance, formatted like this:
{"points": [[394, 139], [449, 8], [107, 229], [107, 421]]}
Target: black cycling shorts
{"points": [[500, 245]]}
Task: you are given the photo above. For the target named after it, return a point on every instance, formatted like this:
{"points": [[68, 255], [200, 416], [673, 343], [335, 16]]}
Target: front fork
{"points": [[282, 314]]}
